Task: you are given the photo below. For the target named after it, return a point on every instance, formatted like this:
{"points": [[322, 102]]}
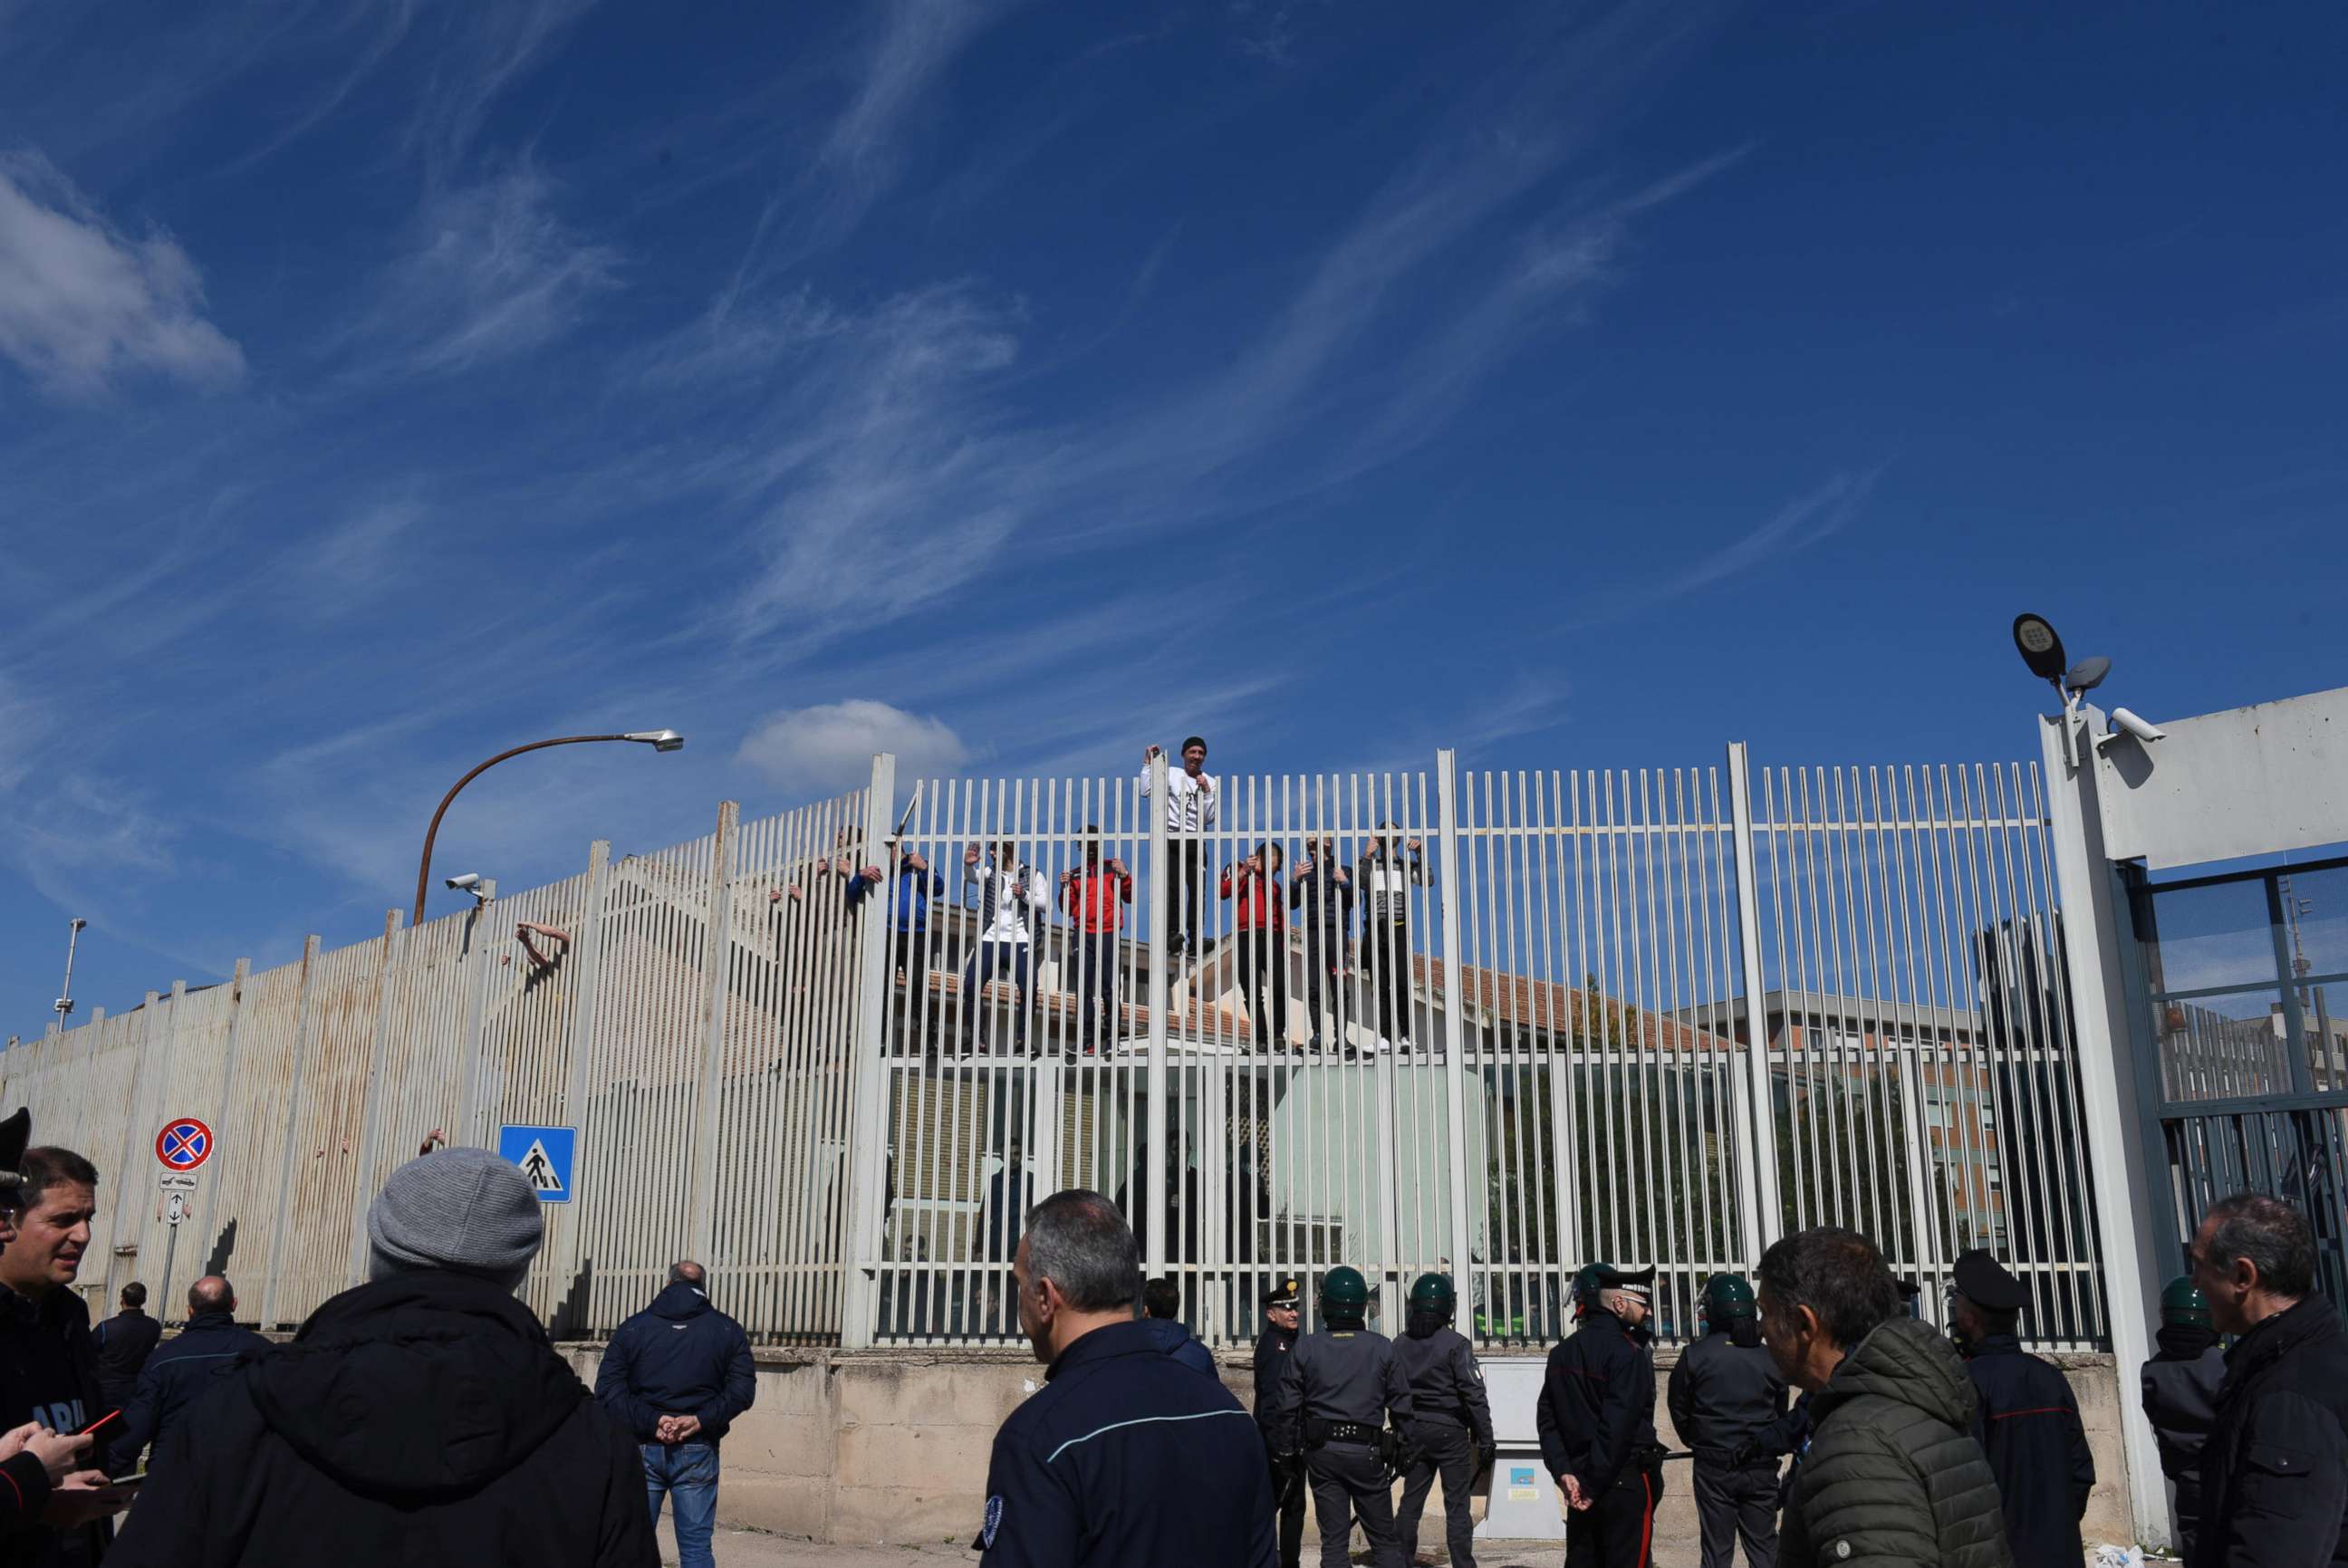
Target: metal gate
{"points": [[1647, 1014]]}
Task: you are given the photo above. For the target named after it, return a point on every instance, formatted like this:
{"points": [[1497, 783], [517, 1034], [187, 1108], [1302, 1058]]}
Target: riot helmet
{"points": [[1598, 1277], [1344, 1298], [2182, 1304], [1728, 1308], [1432, 1304]]}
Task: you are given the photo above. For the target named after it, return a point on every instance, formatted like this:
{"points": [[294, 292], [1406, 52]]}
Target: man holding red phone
{"points": [[48, 1368]]}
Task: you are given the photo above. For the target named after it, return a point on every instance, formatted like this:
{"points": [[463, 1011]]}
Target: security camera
{"points": [[466, 883], [2143, 729]]}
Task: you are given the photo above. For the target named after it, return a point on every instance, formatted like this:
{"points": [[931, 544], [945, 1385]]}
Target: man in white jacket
{"points": [[1011, 896], [1191, 796]]}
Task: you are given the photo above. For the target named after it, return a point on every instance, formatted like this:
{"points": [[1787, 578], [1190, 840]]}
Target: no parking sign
{"points": [[183, 1144]]}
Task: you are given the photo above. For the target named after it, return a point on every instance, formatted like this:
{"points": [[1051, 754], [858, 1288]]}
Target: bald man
{"points": [[183, 1368]]}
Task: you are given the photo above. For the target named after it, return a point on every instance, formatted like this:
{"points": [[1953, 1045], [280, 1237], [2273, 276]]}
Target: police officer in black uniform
{"points": [[1597, 1420], [1450, 1428], [2027, 1421], [1342, 1384], [1124, 1458], [1725, 1393], [2180, 1397], [1280, 1305]]}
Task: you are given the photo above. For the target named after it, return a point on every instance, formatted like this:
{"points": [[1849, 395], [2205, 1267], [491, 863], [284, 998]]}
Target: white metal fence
{"points": [[1495, 1024]]}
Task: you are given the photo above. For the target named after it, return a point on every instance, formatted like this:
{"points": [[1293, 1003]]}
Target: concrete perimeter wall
{"points": [[890, 1447]]}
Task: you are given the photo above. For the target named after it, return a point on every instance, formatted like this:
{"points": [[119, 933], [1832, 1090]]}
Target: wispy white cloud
{"points": [[82, 302], [1267, 28], [490, 271], [1806, 520], [878, 487], [361, 553], [810, 751], [497, 42], [863, 150]]}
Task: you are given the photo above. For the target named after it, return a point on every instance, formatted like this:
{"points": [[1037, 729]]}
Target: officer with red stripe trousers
{"points": [[2027, 1421], [1597, 1420]]}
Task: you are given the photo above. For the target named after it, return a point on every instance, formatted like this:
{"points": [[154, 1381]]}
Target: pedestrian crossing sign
{"points": [[547, 1156]]}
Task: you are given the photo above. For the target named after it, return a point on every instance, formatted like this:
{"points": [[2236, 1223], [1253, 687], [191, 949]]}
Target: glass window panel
{"points": [[2325, 1035], [2223, 1047], [2221, 934], [2315, 909]]}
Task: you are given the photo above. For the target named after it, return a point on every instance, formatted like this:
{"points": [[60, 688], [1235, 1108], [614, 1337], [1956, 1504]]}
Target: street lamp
{"points": [[658, 739]]}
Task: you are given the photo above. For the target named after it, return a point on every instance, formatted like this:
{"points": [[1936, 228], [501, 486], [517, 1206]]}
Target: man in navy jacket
{"points": [[676, 1375], [186, 1367]]}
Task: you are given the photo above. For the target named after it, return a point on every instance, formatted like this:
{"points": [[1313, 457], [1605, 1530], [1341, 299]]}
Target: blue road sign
{"points": [[547, 1155]]}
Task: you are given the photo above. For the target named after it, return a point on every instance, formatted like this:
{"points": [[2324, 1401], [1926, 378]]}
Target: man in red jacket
{"points": [[1095, 898], [1263, 930]]}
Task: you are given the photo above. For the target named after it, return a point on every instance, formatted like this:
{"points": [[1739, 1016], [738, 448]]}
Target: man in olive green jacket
{"points": [[1892, 1475]]}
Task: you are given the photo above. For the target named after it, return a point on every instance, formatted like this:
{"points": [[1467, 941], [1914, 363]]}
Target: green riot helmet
{"points": [[1432, 1304], [1728, 1306], [2182, 1304], [1345, 1297], [1433, 1293]]}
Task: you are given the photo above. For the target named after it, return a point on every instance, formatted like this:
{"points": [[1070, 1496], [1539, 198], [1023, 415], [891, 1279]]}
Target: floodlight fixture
{"points": [[2041, 649]]}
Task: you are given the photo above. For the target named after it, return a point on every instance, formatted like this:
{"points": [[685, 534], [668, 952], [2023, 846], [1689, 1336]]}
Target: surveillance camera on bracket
{"points": [[466, 883], [2143, 729]]}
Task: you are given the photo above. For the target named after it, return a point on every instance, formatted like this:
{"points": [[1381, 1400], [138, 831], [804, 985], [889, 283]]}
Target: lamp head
{"points": [[658, 739], [2087, 673], [2041, 649]]}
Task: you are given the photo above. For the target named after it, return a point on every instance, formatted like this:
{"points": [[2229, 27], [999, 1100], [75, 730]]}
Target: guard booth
{"points": [[2205, 880]]}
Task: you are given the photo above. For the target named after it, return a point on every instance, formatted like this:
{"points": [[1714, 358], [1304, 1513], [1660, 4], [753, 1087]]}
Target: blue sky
{"points": [[385, 384]]}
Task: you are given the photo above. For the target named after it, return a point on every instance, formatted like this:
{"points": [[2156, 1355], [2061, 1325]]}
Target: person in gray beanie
{"points": [[422, 1416], [463, 1210]]}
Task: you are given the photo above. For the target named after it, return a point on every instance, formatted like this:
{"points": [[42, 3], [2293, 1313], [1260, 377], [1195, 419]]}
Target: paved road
{"points": [[743, 1549]]}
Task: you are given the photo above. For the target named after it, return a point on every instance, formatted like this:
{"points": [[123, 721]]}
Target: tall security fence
{"points": [[1494, 1023]]}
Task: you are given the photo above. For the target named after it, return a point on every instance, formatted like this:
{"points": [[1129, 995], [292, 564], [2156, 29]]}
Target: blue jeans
{"points": [[687, 1473]]}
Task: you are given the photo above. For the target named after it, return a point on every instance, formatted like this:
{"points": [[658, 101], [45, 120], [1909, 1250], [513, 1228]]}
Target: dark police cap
{"points": [[1983, 1279], [1286, 1291]]}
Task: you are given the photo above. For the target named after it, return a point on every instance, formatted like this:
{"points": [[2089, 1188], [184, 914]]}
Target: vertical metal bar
{"points": [[587, 957], [395, 947], [210, 1188], [272, 1288], [1161, 872], [716, 963], [1760, 1207], [862, 1249], [131, 1117], [1455, 1066], [2118, 1137]]}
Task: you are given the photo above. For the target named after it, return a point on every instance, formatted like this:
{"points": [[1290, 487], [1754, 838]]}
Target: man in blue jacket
{"points": [[1123, 1459], [676, 1375], [183, 1369]]}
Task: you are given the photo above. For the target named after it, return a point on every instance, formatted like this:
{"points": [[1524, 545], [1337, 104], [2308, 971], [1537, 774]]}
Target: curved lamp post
{"points": [[658, 739]]}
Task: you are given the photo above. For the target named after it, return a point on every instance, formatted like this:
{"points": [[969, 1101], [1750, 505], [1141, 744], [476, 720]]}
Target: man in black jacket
{"points": [[2274, 1473], [186, 1368], [1282, 1306], [41, 1464], [422, 1418], [676, 1375], [2028, 1420], [1597, 1422], [1450, 1428], [1724, 1395], [124, 1342], [2180, 1397], [48, 1369], [1321, 892]]}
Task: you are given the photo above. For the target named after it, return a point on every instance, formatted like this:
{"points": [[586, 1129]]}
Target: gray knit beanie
{"points": [[463, 1210]]}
